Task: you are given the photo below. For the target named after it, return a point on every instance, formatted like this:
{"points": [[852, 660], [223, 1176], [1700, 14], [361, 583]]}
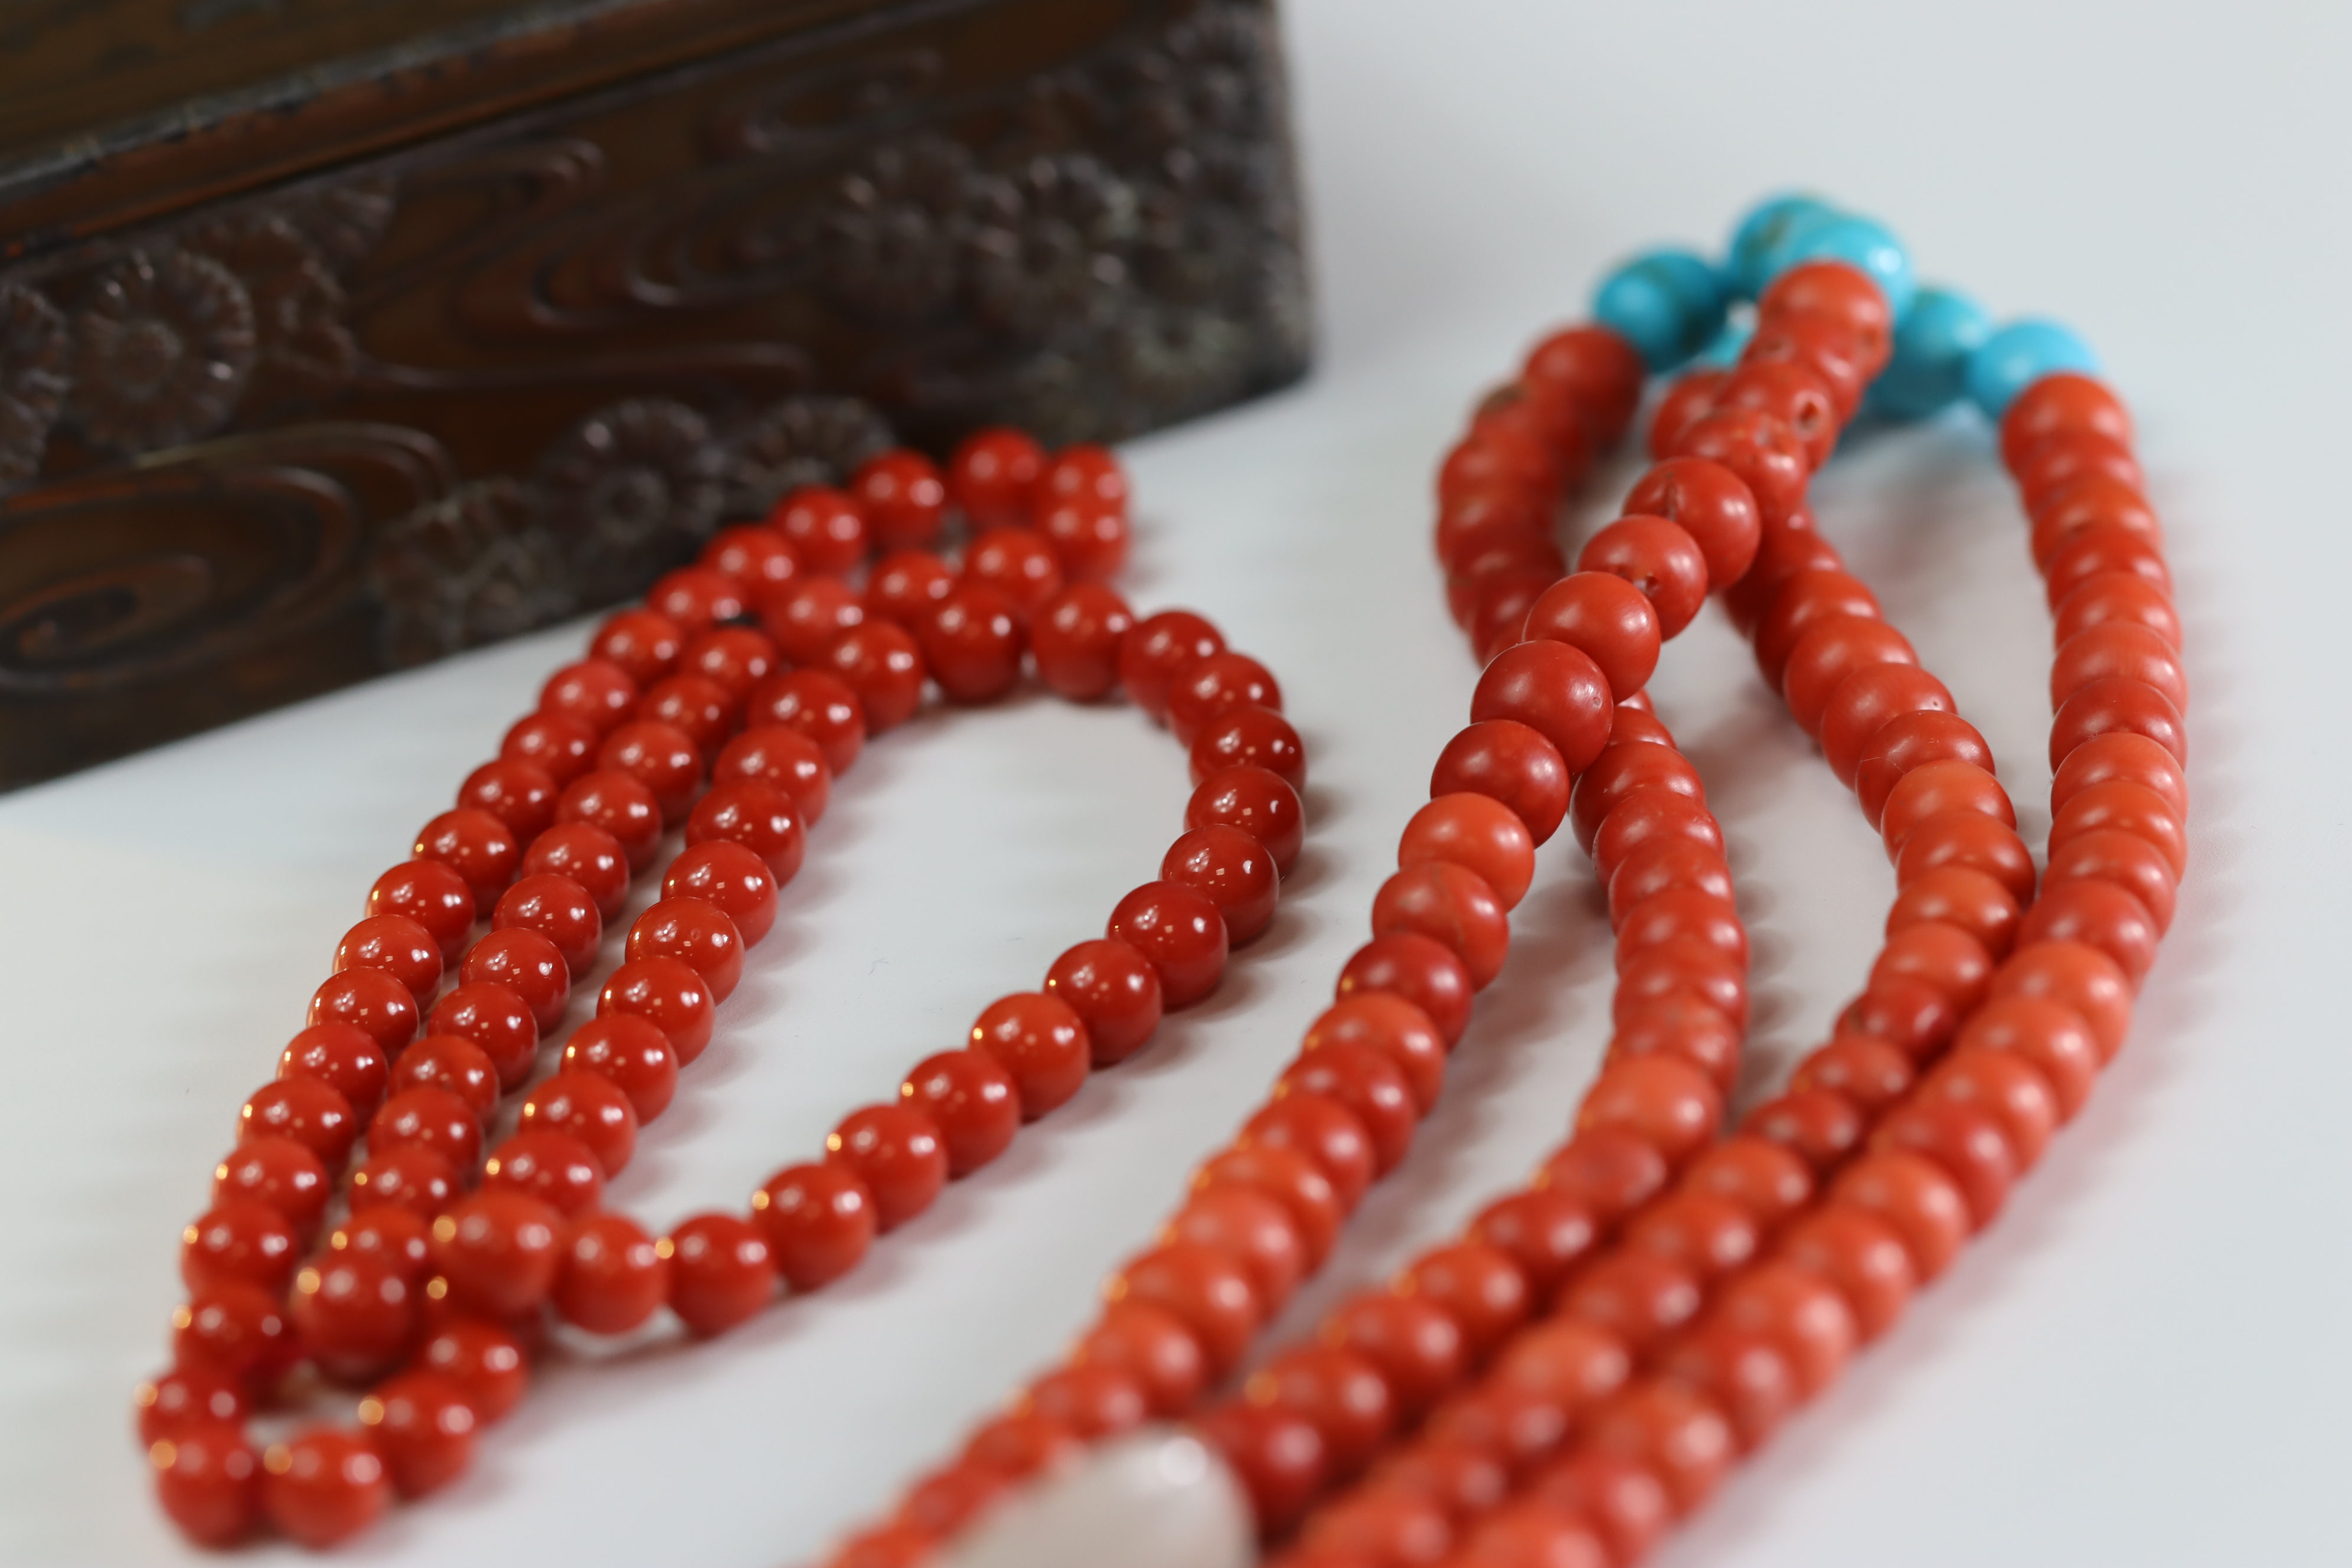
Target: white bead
{"points": [[1156, 1499]]}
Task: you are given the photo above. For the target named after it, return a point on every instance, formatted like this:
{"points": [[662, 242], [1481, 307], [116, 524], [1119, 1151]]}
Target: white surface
{"points": [[2146, 1364]]}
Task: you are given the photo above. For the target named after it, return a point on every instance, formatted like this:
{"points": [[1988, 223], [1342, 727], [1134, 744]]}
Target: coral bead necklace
{"points": [[722, 710], [1582, 1368]]}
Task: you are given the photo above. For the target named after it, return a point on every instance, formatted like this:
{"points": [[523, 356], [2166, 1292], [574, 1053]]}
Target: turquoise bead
{"points": [[2019, 354], [1667, 303], [1725, 351], [1928, 371], [1758, 232], [1868, 247]]}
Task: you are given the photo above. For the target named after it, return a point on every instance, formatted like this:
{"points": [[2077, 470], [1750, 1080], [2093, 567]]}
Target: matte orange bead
{"points": [[2124, 859], [1742, 1370], [1862, 1256], [2117, 650], [1668, 1104], [1863, 1068], [1623, 1500], [1971, 839], [1482, 834], [1944, 957], [1708, 1235], [2075, 976], [1618, 773], [2097, 914], [1277, 1455], [1763, 1178], [2116, 704], [1207, 1291], [2126, 757], [1555, 691], [1914, 1195], [1865, 702], [2005, 1086], [1802, 1312], [2117, 599], [1339, 1391], [1611, 1171], [1819, 1126], [2053, 1038], [1092, 1402], [2121, 806]]}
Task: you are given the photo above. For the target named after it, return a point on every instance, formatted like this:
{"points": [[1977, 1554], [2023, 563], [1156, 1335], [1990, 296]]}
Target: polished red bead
{"points": [[1291, 1180], [1018, 562], [753, 554], [1250, 1226], [376, 1004], [432, 895], [780, 756], [587, 1106], [1075, 637], [1323, 1130], [1478, 1286], [618, 806], [432, 1120], [1113, 990], [400, 1237], [498, 1250], [355, 1311], [805, 615], [278, 1173], [422, 1425], [696, 598], [415, 1180], [1204, 1290], [972, 1098], [896, 1154], [235, 1329], [820, 706], [1233, 870], [1179, 933], [1255, 737], [825, 528], [207, 1477], [480, 1357], [1545, 1232], [1416, 1345], [1555, 691], [731, 880], [1417, 968], [553, 1167], [904, 585], [971, 642], [1257, 802], [720, 1272], [526, 963], [587, 855], [818, 1220], [662, 757], [1452, 906], [633, 1053], [520, 794], [758, 816], [1639, 1298], [1277, 1455], [1372, 1087], [497, 1019], [183, 1399], [993, 476], [698, 934], [881, 663], [611, 1274], [1090, 538], [309, 1113], [1215, 687], [239, 1241], [1158, 649], [1477, 833], [1660, 559], [666, 993], [701, 709], [454, 1065], [323, 1486], [1395, 1028], [1670, 1104], [733, 659], [595, 693], [1042, 1042], [558, 908], [561, 748], [903, 496]]}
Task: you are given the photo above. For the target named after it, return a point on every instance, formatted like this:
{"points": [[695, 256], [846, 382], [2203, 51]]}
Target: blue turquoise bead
{"points": [[1928, 370], [1725, 351], [1758, 232], [2019, 354], [1667, 303], [1869, 246]]}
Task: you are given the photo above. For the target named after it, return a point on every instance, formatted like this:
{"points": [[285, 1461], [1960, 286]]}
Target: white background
{"points": [[2145, 1362]]}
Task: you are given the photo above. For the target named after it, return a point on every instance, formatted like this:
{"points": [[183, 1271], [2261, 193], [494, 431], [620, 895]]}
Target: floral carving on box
{"points": [[368, 419]]}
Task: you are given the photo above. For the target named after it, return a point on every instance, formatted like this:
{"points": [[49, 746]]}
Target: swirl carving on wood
{"points": [[488, 382]]}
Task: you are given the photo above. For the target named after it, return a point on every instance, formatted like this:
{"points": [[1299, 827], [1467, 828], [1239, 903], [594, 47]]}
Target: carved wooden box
{"points": [[337, 336]]}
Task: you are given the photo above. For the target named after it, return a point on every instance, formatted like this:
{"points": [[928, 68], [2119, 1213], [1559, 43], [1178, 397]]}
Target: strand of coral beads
{"points": [[434, 1299]]}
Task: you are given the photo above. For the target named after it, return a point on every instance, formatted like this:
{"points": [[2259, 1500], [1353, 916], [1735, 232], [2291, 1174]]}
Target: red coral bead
{"points": [[1555, 691], [454, 1065], [1478, 1286], [235, 1329], [355, 1312], [1075, 637], [561, 747], [1396, 1029], [397, 946], [1660, 559], [1158, 649], [1249, 737], [499, 1251], [1452, 905], [618, 806], [239, 1241], [1418, 968], [432, 1120], [1018, 562], [369, 1000], [1042, 1042], [558, 908], [520, 794], [1231, 870], [666, 993], [818, 1220], [280, 1174], [526, 963], [1181, 934], [323, 1486], [971, 643], [903, 496], [1416, 1345], [311, 1113], [1257, 802], [481, 1358], [696, 598], [904, 585], [1116, 993], [805, 615], [587, 1106], [415, 1180], [825, 528], [820, 706], [696, 933], [662, 757], [899, 1155], [183, 1399], [1477, 833], [633, 1053], [882, 665], [611, 1274], [720, 1272], [974, 1101], [207, 1478], [1916, 1197], [1208, 1293], [1250, 1227], [498, 1019], [1323, 1130], [731, 880], [422, 1425], [993, 476], [553, 1167], [753, 554], [432, 895], [1373, 1087], [1511, 762]]}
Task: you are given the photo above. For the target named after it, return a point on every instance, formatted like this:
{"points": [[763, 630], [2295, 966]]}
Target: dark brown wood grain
{"points": [[510, 370]]}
